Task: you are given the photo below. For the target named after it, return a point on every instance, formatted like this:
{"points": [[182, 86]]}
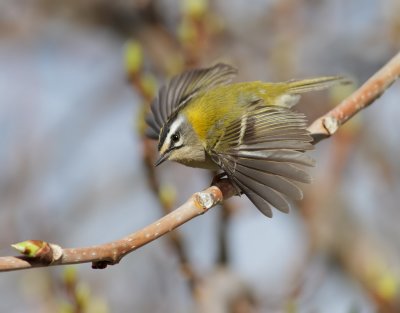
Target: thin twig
{"points": [[166, 203], [199, 203]]}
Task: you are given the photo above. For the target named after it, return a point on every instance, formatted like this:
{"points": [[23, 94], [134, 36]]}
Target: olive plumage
{"points": [[248, 130]]}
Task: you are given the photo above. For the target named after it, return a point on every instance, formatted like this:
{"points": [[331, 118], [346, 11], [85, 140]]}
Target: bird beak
{"points": [[161, 159]]}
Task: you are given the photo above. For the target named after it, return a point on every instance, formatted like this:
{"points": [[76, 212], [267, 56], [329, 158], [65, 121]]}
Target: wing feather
{"points": [[262, 205], [278, 144], [289, 171], [276, 182], [263, 152], [265, 192], [288, 156], [178, 92]]}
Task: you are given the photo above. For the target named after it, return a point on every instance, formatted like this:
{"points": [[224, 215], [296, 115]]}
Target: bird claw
{"points": [[218, 177]]}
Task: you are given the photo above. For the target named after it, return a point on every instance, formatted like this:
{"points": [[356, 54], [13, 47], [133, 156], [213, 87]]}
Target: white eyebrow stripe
{"points": [[173, 128]]}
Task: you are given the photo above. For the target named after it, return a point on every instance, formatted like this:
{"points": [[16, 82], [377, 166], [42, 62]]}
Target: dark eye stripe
{"points": [[163, 136]]}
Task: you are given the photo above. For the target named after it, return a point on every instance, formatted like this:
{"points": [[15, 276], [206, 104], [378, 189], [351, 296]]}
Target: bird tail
{"points": [[313, 84]]}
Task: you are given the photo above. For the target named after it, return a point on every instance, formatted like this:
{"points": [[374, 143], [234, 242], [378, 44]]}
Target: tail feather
{"points": [[313, 84]]}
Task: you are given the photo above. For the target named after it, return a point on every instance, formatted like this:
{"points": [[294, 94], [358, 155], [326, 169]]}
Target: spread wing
{"points": [[181, 89], [262, 152]]}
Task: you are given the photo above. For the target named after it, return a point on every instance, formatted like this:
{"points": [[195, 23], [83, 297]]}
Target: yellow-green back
{"points": [[225, 103]]}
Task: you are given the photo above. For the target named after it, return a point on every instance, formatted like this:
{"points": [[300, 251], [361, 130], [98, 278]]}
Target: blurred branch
{"points": [[39, 253], [144, 86], [186, 47], [333, 228]]}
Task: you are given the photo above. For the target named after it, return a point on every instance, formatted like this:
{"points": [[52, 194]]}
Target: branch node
{"points": [[57, 252], [39, 251], [331, 124], [207, 200], [99, 265], [204, 200]]}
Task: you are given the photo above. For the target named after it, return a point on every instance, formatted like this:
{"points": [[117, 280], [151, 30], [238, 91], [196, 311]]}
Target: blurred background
{"points": [[76, 78]]}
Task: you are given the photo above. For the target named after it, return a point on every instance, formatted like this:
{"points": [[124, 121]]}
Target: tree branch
{"points": [[39, 253], [372, 89]]}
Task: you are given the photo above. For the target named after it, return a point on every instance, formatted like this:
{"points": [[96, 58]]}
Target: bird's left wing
{"points": [[181, 89], [262, 152]]}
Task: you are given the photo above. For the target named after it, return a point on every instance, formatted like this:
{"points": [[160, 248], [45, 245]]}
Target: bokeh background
{"points": [[75, 80]]}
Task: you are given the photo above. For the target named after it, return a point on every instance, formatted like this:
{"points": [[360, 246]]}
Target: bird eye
{"points": [[175, 138]]}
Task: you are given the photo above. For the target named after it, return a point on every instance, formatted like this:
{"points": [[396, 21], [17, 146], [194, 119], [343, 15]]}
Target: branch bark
{"points": [[111, 253], [46, 254], [372, 89]]}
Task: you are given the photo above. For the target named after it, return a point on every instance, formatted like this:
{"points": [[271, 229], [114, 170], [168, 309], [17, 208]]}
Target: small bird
{"points": [[248, 130]]}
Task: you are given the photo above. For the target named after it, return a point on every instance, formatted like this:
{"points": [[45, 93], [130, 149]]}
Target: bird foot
{"points": [[218, 177], [221, 176]]}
